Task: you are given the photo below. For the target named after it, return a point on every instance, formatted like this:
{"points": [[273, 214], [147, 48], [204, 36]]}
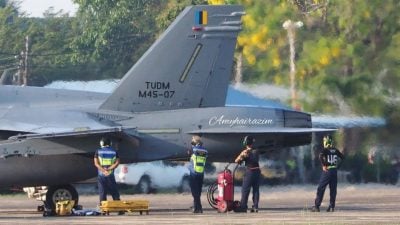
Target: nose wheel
{"points": [[60, 193]]}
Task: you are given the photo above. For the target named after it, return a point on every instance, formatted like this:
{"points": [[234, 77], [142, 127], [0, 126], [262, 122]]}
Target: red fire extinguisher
{"points": [[224, 201]]}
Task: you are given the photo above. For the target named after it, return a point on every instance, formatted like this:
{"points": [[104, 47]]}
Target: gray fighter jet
{"points": [[178, 88]]}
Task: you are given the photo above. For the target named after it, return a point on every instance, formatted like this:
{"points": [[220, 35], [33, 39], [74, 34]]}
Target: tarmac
{"points": [[356, 204]]}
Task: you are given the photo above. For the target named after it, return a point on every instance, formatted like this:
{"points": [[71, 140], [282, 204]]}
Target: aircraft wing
{"points": [[258, 130], [50, 123], [59, 143], [65, 134]]}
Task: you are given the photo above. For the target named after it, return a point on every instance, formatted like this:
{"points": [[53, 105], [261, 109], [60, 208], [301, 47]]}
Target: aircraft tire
{"points": [[59, 193]]}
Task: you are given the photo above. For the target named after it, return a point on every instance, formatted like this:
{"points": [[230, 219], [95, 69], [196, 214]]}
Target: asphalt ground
{"points": [[356, 204]]}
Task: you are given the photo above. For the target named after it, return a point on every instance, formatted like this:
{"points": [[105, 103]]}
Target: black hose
{"points": [[210, 195]]}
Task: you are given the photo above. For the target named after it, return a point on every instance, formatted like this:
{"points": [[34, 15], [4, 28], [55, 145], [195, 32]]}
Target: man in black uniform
{"points": [[250, 156], [329, 160]]}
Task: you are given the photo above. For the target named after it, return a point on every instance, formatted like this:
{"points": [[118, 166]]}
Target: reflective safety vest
{"points": [[198, 159], [106, 157]]}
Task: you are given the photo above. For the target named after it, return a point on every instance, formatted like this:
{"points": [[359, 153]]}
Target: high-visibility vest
{"points": [[198, 158], [106, 157]]}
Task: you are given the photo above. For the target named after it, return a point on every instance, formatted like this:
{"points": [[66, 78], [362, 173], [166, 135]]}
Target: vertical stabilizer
{"points": [[189, 66]]}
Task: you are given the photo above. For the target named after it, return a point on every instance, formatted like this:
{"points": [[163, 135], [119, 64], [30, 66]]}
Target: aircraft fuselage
{"points": [[149, 135]]}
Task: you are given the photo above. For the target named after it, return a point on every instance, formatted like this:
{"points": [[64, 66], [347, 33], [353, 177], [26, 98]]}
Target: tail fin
{"points": [[189, 66]]}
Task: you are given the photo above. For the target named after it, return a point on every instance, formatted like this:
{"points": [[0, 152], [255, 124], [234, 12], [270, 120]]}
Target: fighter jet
{"points": [[177, 89]]}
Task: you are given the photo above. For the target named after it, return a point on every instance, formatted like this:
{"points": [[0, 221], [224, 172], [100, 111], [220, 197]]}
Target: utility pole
{"points": [[238, 73], [291, 33], [26, 63], [21, 67], [291, 27]]}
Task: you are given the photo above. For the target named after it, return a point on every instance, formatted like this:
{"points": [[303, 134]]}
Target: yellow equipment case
{"points": [[125, 206], [64, 208]]}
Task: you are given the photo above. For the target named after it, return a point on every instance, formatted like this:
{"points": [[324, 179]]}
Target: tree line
{"points": [[346, 52]]}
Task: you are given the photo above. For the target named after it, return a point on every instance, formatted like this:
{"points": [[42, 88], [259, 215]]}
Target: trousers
{"points": [[251, 179], [196, 184], [328, 177], [107, 185]]}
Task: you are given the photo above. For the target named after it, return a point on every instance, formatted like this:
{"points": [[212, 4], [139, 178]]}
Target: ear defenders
{"points": [[105, 142], [327, 141], [248, 140]]}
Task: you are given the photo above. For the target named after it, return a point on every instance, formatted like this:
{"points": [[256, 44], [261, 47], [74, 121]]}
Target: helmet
{"points": [[248, 140], [105, 142], [328, 142]]}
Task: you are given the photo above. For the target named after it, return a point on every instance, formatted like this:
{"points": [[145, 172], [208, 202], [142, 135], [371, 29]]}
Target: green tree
{"points": [[343, 48], [114, 33], [171, 10], [9, 33], [50, 51], [360, 33], [49, 40], [3, 3]]}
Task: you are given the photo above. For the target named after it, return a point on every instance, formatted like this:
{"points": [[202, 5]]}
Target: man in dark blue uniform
{"points": [[106, 159], [196, 168], [329, 160], [250, 156]]}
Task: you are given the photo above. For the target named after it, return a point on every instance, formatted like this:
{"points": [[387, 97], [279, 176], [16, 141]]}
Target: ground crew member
{"points": [[106, 159], [196, 167], [329, 160], [250, 156]]}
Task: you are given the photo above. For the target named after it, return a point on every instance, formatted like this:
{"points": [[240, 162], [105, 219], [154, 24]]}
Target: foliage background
{"points": [[347, 52]]}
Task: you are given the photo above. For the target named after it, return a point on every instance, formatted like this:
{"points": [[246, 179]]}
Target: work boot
{"points": [[315, 209], [241, 210], [254, 209], [330, 209], [197, 211]]}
